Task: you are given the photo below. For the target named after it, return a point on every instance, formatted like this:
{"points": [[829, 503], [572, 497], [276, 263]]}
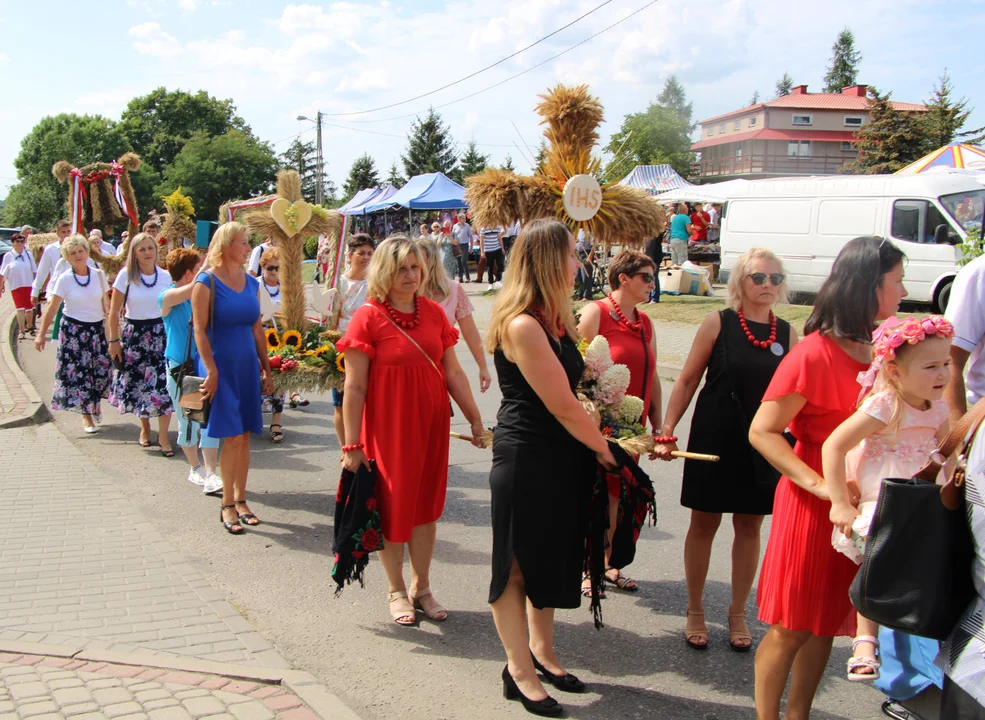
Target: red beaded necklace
{"points": [[401, 321], [752, 338], [559, 329], [634, 326]]}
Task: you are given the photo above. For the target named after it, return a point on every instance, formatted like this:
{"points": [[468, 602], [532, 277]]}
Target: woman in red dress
{"points": [[803, 585], [400, 366], [631, 343]]}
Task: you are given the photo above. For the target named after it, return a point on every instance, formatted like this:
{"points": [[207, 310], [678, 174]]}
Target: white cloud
{"points": [[150, 39], [366, 81], [188, 5], [4, 59]]}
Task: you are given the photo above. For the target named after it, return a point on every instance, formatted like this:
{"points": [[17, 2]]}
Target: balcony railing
{"points": [[770, 164]]}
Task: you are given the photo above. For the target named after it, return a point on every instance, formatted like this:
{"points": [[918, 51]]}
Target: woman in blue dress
{"points": [[233, 375]]}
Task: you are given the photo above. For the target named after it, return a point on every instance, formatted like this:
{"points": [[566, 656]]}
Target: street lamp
{"points": [[318, 161]]}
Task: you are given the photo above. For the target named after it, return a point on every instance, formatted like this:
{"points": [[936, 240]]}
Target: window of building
{"points": [[738, 125], [915, 221], [752, 121], [848, 147], [721, 128], [711, 131], [803, 119], [853, 121], [799, 148]]}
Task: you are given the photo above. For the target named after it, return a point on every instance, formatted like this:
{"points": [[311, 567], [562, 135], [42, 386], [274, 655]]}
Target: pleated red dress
{"points": [[407, 416], [804, 581]]}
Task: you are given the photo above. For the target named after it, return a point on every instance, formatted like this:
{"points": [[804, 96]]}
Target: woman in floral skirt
{"points": [[140, 382]]}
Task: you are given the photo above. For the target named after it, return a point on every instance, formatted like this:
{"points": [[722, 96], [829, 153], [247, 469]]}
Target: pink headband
{"points": [[894, 333]]}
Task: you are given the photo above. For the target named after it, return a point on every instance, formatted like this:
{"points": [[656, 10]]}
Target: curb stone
{"points": [[37, 412]]}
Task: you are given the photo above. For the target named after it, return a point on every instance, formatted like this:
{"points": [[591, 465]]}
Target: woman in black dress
{"points": [[544, 460], [741, 348]]}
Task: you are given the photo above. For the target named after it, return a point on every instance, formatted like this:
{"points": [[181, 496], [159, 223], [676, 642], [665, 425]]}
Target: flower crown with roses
{"points": [[893, 334]]}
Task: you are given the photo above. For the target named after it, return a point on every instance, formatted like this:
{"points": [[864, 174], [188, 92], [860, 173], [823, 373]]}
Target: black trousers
{"points": [[494, 264], [957, 704]]}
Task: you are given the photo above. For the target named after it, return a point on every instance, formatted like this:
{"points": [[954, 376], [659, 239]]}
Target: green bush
{"points": [[310, 248]]}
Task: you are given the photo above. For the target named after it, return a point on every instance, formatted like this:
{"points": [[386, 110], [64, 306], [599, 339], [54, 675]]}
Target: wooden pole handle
{"points": [[694, 456]]}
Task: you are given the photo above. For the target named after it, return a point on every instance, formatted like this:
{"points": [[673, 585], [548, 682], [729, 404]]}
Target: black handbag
{"points": [[194, 406], [916, 570]]}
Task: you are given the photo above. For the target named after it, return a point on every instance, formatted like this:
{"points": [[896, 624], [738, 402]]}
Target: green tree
{"points": [[890, 141], [843, 70], [755, 98], [784, 85], [214, 169], [673, 96], [38, 199], [540, 158], [362, 175], [430, 147], [303, 157], [395, 178], [945, 117], [508, 165], [661, 135], [473, 162]]}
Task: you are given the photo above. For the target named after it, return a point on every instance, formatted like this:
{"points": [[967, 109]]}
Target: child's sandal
{"points": [[857, 662]]}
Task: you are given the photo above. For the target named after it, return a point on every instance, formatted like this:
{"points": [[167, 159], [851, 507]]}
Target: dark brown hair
{"points": [[180, 260], [628, 262], [359, 240]]}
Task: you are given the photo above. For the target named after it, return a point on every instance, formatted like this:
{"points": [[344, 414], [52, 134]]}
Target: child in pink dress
{"points": [[900, 421]]}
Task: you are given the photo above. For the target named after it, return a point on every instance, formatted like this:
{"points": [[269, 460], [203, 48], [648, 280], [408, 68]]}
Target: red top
{"points": [[407, 416], [627, 348], [699, 222], [804, 581]]}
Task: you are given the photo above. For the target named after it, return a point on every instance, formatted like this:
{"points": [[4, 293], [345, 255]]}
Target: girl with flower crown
{"points": [[901, 418]]}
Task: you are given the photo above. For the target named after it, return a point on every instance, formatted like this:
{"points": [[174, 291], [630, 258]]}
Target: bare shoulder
{"points": [[525, 330]]}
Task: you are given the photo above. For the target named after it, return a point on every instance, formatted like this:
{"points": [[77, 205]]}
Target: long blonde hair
{"points": [[436, 288], [538, 278], [133, 265], [223, 237], [387, 260], [739, 273]]}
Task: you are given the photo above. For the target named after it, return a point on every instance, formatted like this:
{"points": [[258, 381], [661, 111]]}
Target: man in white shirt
{"points": [[966, 311], [49, 258], [462, 232], [253, 267], [96, 238], [27, 231], [121, 248]]}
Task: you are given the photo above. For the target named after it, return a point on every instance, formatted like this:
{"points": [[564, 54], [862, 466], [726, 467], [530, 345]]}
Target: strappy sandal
{"points": [[276, 436], [247, 516], [586, 588], [403, 618], [857, 662], [692, 634], [436, 613], [231, 524], [297, 400], [621, 581], [21, 336], [736, 635]]}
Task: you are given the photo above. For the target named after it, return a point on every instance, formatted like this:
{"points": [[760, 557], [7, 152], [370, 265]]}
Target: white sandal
{"points": [[402, 617], [436, 613], [856, 663]]}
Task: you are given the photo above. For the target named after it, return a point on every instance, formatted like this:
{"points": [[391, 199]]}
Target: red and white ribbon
{"points": [[116, 170], [76, 176], [236, 207]]}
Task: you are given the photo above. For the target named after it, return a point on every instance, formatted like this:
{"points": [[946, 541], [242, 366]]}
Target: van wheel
{"points": [[942, 296]]}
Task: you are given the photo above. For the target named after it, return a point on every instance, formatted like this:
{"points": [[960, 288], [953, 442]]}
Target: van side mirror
{"points": [[943, 235]]}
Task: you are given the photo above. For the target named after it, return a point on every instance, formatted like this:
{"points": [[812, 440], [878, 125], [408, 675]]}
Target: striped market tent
{"points": [[956, 155], [655, 179]]}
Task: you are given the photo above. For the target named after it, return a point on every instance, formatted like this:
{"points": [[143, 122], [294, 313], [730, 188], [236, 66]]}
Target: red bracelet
{"points": [[664, 439], [352, 448]]}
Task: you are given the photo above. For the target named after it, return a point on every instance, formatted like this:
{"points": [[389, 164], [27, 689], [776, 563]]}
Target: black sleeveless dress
{"points": [[737, 377], [541, 482]]}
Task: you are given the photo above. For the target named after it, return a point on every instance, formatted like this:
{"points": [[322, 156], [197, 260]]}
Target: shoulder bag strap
{"points": [[961, 435], [402, 332]]}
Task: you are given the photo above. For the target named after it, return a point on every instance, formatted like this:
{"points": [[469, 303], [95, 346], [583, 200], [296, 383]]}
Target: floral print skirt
{"points": [[272, 403], [82, 367], [141, 387]]}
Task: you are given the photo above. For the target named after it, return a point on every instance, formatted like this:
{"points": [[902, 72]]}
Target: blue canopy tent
{"points": [[381, 197], [655, 179], [360, 198], [432, 191]]}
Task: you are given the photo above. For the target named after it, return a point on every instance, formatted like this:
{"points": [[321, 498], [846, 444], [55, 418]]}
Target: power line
{"points": [[524, 72], [477, 72]]}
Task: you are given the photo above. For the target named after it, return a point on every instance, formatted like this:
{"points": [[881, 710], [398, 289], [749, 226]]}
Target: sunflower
{"points": [[340, 362], [273, 339], [292, 338], [322, 350]]}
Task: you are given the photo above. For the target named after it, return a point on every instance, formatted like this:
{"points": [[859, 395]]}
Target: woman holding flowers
{"points": [[400, 365], [544, 456], [270, 284], [739, 348], [631, 343]]}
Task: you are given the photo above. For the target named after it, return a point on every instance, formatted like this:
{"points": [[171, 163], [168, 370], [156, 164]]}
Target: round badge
{"points": [[777, 349], [582, 197]]}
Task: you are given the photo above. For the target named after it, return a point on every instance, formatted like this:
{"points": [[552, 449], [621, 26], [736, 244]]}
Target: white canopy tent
{"points": [[712, 192]]}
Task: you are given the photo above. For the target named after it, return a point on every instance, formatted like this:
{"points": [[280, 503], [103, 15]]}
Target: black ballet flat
{"points": [[564, 683], [548, 707]]}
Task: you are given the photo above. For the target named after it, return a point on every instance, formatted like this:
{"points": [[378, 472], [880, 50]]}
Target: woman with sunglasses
{"points": [[740, 347], [17, 273], [270, 284], [632, 343]]}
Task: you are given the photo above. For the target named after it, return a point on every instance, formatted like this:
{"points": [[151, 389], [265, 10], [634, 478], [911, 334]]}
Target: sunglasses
{"points": [[647, 277], [776, 279], [273, 268]]}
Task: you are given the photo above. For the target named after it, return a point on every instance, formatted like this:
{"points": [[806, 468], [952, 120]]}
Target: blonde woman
{"points": [[544, 456], [233, 359], [450, 295], [140, 382], [82, 365], [400, 366], [740, 348]]}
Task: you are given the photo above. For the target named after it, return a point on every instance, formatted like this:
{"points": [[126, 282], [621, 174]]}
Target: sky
{"points": [[278, 60]]}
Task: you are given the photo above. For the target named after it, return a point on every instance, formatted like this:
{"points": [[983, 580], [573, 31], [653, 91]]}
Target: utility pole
{"points": [[320, 187]]}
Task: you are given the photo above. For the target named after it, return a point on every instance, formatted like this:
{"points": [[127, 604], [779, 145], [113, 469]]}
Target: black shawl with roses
{"points": [[358, 531]]}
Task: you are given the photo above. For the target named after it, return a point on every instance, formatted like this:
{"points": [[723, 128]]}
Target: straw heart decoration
{"points": [[291, 217]]}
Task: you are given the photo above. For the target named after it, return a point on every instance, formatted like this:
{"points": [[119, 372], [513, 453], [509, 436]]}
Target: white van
{"points": [[806, 222]]}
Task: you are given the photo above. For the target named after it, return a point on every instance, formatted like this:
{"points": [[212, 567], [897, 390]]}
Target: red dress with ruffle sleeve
{"points": [[803, 584], [407, 418]]}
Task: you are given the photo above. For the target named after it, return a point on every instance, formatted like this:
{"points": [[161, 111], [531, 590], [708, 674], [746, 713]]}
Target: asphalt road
{"points": [[278, 576]]}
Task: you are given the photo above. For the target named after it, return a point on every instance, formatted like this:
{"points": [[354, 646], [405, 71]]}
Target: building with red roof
{"points": [[798, 134]]}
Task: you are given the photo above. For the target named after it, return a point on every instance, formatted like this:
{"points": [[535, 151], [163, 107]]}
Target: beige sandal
{"points": [[404, 618], [436, 613], [736, 635], [693, 632]]}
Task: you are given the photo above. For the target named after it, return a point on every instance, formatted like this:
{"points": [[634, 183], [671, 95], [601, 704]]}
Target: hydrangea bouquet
{"points": [[604, 383]]}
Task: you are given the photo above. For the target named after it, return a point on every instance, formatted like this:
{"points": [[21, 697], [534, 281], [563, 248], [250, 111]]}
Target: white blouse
{"points": [[142, 295], [83, 296]]}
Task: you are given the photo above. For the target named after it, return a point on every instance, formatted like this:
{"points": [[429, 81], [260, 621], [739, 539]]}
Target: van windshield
{"points": [[966, 208]]}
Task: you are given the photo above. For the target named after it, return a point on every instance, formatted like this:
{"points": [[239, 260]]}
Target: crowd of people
{"points": [[782, 411]]}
